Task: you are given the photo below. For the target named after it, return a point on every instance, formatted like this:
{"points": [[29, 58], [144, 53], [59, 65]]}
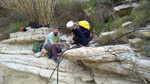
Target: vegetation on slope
{"points": [[97, 12]]}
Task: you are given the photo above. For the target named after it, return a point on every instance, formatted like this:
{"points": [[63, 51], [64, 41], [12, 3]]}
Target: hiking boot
{"points": [[49, 55], [56, 60]]}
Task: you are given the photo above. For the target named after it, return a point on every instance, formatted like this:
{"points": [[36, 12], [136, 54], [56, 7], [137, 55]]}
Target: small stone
{"points": [[37, 55], [126, 24]]}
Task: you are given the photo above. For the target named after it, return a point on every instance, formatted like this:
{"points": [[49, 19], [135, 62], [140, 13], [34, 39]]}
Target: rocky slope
{"points": [[114, 64]]}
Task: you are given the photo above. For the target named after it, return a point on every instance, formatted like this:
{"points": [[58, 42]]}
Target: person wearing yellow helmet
{"points": [[81, 32]]}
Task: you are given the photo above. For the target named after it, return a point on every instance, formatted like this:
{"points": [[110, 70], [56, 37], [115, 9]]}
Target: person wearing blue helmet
{"points": [[52, 44]]}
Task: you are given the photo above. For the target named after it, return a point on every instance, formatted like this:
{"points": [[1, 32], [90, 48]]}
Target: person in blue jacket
{"points": [[81, 32]]}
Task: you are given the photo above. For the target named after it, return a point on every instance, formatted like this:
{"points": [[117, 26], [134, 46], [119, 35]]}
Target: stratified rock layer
{"points": [[113, 64]]}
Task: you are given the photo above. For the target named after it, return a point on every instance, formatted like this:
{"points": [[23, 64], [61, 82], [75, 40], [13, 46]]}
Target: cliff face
{"points": [[114, 64]]}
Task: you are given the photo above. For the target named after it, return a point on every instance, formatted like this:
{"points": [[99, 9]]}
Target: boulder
{"points": [[124, 9], [37, 55]]}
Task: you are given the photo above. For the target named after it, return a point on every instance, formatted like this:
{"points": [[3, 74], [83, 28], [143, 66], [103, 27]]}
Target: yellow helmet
{"points": [[84, 24]]}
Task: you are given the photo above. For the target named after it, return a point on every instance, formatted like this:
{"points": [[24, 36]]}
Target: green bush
{"points": [[17, 25], [113, 2], [141, 14], [138, 16], [142, 47], [105, 40], [100, 11], [11, 26], [119, 21]]}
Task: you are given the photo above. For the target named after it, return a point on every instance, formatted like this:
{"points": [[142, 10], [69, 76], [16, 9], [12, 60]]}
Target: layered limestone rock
{"points": [[1, 77], [40, 66], [32, 35], [114, 64], [16, 53]]}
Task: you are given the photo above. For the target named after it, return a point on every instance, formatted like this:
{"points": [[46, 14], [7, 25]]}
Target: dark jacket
{"points": [[83, 33]]}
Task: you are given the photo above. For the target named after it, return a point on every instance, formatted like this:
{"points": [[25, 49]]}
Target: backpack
{"points": [[34, 25], [23, 29], [37, 47], [84, 24]]}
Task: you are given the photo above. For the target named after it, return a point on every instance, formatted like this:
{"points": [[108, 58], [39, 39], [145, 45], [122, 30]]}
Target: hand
{"points": [[73, 36], [57, 44], [82, 47]]}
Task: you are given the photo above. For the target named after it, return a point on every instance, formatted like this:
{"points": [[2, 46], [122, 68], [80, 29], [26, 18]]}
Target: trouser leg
{"points": [[48, 47], [77, 40], [89, 39], [55, 50]]}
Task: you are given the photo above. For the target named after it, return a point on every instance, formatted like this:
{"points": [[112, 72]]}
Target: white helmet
{"points": [[70, 24]]}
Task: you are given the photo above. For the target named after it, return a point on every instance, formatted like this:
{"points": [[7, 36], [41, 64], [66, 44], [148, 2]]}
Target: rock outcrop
{"points": [[125, 9], [114, 64], [32, 35]]}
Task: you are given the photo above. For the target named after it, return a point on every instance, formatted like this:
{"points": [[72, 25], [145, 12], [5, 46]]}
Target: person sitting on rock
{"points": [[81, 32], [52, 44]]}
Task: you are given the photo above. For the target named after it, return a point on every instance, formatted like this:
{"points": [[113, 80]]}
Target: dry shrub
{"points": [[67, 10], [40, 11]]}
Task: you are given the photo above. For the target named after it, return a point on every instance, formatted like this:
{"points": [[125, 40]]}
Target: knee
{"points": [[60, 50], [45, 47], [53, 46]]}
